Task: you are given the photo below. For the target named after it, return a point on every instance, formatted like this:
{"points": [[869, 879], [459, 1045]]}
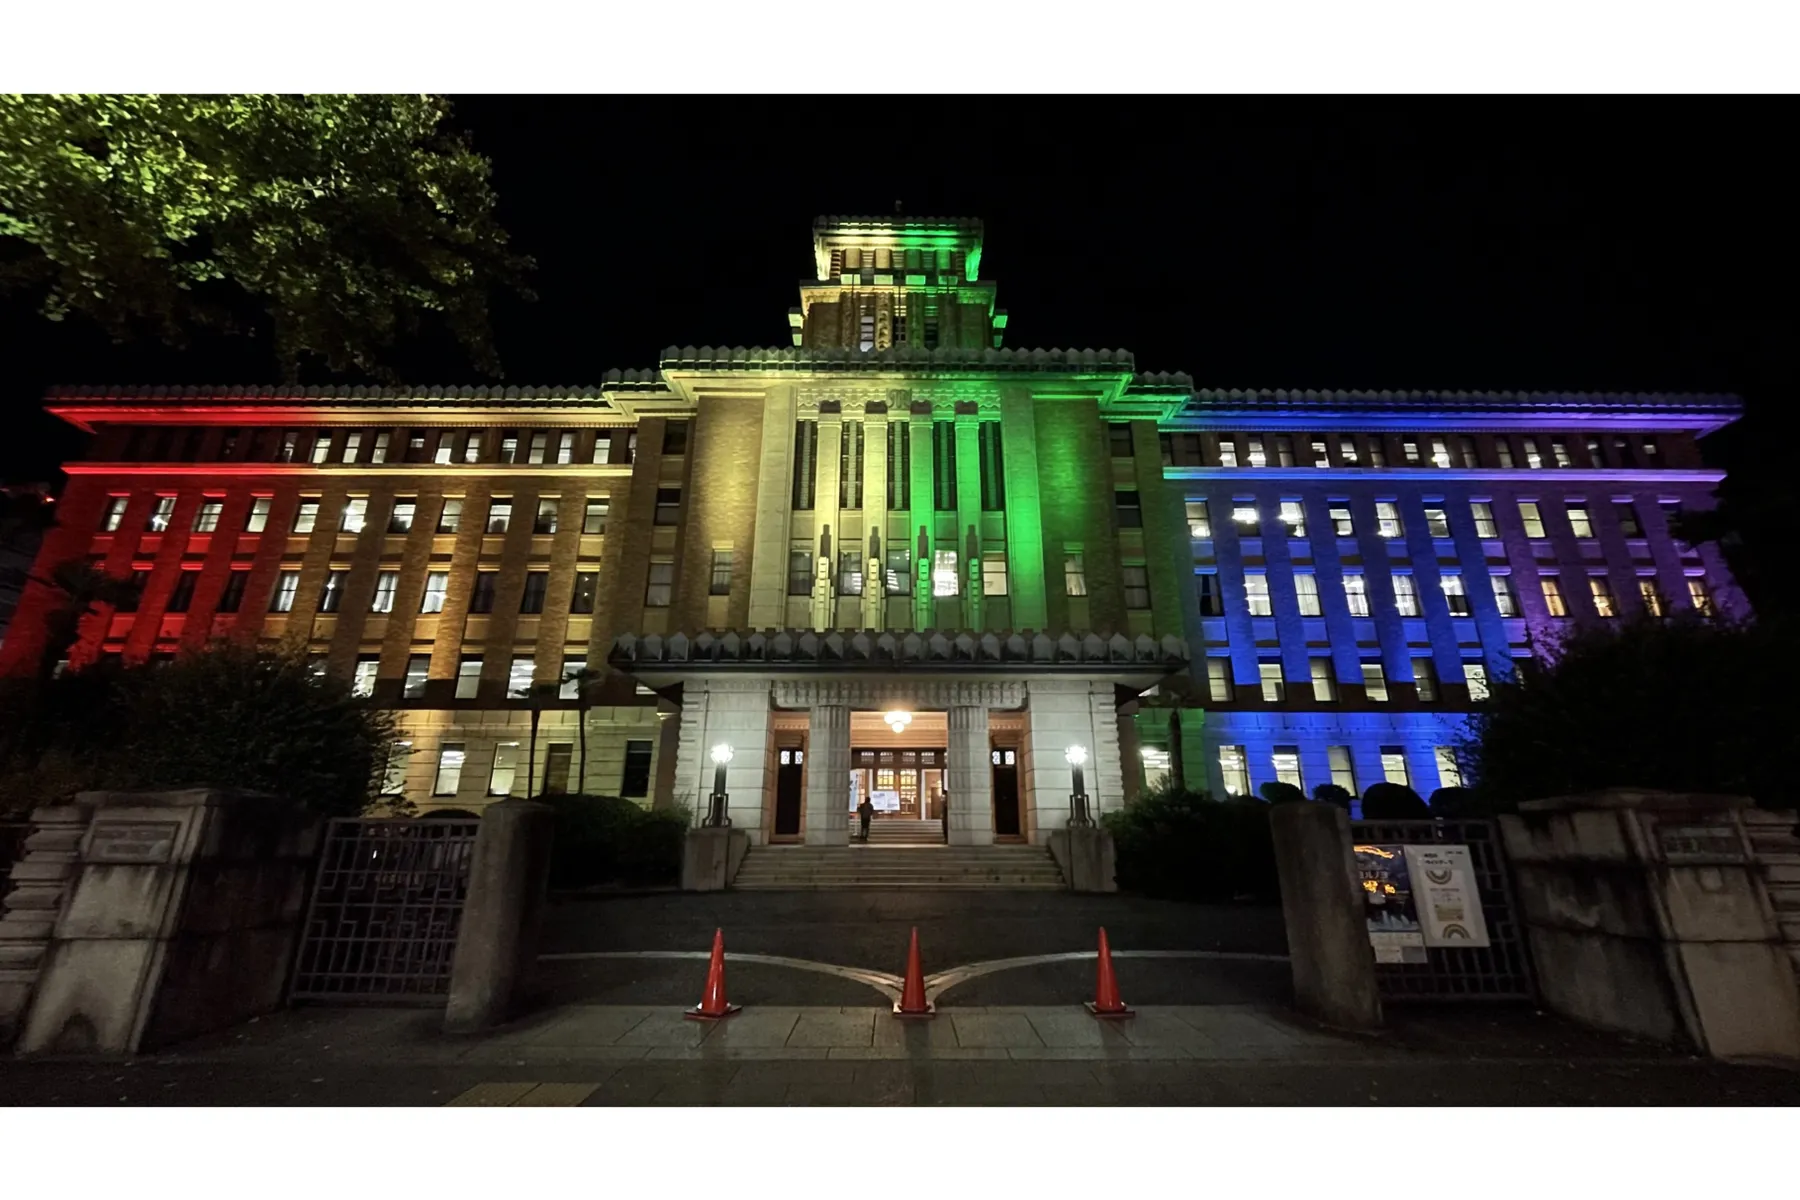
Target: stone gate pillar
{"points": [[828, 776], [971, 777]]}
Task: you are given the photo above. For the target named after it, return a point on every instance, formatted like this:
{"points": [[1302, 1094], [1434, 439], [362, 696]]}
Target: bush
{"points": [[1181, 845], [1393, 802], [1466, 802], [606, 839], [1331, 793], [1277, 792]]}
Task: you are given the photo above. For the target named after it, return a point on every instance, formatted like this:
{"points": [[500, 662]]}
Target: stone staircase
{"points": [[897, 831], [923, 867]]}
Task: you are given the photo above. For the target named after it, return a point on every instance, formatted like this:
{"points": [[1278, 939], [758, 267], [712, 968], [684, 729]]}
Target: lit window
{"points": [[506, 767], [499, 516], [1341, 524], [720, 584], [362, 682], [206, 517], [1532, 519], [290, 443], [1199, 520], [449, 769], [1374, 683], [161, 514], [994, 581], [1393, 766], [1227, 452], [944, 579], [898, 580], [472, 448], [1425, 682], [546, 516], [1286, 761], [356, 512], [1449, 774], [1074, 575], [1324, 685], [518, 677], [1356, 595], [1347, 450], [287, 584], [1294, 517], [1440, 452], [1387, 519], [393, 778], [332, 594], [1483, 514], [1234, 771], [1343, 772], [1559, 452], [565, 445], [509, 446], [1465, 446], [1652, 597], [1272, 686], [1257, 457], [401, 520], [321, 448], [1321, 455], [1503, 448], [352, 444], [1212, 599], [1700, 596], [1454, 595], [450, 520], [437, 586], [593, 520], [540, 442], [1245, 516], [387, 583], [1504, 597], [1406, 596], [660, 587], [446, 448], [1256, 594], [1553, 597], [572, 667], [468, 677], [1377, 454], [1437, 523], [1409, 448], [1306, 593], [378, 454], [418, 670], [1476, 677], [115, 512], [1579, 522], [1603, 596], [415, 447], [1532, 458], [1218, 680]]}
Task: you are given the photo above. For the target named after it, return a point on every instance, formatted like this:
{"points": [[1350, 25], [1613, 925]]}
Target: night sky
{"points": [[1522, 244]]}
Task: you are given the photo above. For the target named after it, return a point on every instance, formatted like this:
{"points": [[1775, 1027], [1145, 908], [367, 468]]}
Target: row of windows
{"points": [[354, 516], [1456, 450], [1246, 517], [324, 447], [1272, 683], [521, 674], [1284, 763], [1258, 602], [505, 772]]}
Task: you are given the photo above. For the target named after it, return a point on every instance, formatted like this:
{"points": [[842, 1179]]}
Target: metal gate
{"points": [[1498, 971], [385, 910]]}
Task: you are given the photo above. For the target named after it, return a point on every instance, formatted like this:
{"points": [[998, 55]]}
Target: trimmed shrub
{"points": [[1181, 845], [606, 839], [1393, 802], [1277, 792], [1467, 802], [1331, 793]]}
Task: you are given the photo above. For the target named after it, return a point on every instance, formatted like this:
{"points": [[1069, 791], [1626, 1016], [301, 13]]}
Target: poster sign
{"points": [[1388, 910], [887, 801], [1445, 896]]}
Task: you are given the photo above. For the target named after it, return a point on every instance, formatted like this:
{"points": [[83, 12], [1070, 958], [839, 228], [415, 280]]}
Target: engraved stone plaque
{"points": [[133, 842], [1688, 842]]}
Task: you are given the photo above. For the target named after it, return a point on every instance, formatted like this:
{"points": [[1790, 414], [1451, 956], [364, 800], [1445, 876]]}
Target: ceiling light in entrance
{"points": [[897, 720]]}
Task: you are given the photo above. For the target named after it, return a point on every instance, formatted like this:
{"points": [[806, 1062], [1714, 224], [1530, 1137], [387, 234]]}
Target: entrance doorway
{"points": [[903, 783], [790, 772], [1006, 792]]}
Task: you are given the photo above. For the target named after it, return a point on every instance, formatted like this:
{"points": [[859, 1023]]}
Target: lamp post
{"points": [[1078, 809], [717, 816]]}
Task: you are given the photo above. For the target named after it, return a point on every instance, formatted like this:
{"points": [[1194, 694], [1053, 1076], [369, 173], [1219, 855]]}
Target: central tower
{"points": [[897, 282]]}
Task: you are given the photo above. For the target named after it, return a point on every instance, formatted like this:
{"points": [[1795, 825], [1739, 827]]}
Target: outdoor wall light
{"points": [[717, 815]]}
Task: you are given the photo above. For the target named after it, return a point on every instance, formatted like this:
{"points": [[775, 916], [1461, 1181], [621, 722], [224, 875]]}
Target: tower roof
{"points": [[896, 232]]}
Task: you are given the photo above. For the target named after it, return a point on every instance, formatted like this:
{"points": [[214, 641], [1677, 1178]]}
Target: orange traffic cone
{"points": [[1106, 1002], [713, 1006], [912, 996]]}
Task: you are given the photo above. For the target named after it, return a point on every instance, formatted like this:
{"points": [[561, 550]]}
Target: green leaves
{"points": [[342, 220]]}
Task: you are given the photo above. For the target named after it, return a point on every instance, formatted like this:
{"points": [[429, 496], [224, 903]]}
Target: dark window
{"points": [[1118, 439], [675, 437], [850, 573], [800, 572], [1137, 586], [481, 600], [233, 595], [228, 443], [183, 595], [1130, 510], [1628, 520], [850, 466], [128, 603], [806, 451], [899, 465], [721, 573], [556, 767], [668, 506], [415, 447], [993, 468], [943, 465], [637, 770], [1212, 601], [659, 586], [536, 584], [582, 601]]}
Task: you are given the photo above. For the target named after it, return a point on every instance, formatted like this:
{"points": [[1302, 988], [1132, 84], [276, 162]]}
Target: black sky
{"points": [[1516, 244]]}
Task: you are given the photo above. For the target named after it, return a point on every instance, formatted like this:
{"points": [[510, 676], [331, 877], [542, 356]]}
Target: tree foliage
{"points": [[342, 218], [1679, 705]]}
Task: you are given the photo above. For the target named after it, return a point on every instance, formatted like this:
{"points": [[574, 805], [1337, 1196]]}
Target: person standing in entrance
{"points": [[864, 812]]}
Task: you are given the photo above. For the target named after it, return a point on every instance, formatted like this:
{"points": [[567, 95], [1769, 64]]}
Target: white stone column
{"points": [[736, 712], [970, 776], [1105, 776], [828, 776], [774, 504]]}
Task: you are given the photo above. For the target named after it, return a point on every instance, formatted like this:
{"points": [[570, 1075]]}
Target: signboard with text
{"points": [[885, 801], [1388, 904], [1445, 896]]}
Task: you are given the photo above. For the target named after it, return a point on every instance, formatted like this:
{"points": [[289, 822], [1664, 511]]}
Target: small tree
{"points": [[84, 589], [1331, 793]]}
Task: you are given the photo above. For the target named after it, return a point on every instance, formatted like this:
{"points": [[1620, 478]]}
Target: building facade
{"points": [[894, 560]]}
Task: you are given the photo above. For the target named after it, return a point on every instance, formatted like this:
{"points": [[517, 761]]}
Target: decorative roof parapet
{"points": [[238, 394], [1281, 398], [794, 358], [931, 649]]}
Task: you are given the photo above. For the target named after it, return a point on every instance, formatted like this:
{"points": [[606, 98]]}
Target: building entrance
{"points": [[903, 783]]}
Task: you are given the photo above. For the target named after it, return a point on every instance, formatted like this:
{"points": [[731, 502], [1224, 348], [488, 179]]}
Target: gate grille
{"points": [[1499, 971], [385, 910]]}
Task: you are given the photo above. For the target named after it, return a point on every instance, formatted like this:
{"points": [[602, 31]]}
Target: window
{"points": [[446, 448], [1437, 523], [1532, 519], [558, 756], [540, 442], [468, 677], [603, 441], [128, 603], [1503, 449], [1595, 457], [1256, 594], [1504, 597], [449, 769], [1465, 446], [232, 598], [1652, 597], [1286, 761], [1406, 596], [636, 780], [1626, 515], [1128, 508], [352, 444], [1377, 454], [290, 444], [1393, 765], [415, 447], [387, 583], [1559, 452], [115, 512], [1118, 439], [1324, 683], [282, 598], [183, 596], [505, 769], [378, 453], [631, 446], [1440, 452], [1483, 513], [1257, 457], [800, 570], [1199, 520], [1603, 596], [1374, 683], [356, 512], [1449, 774], [1648, 446], [581, 600], [1227, 452], [1533, 459], [1293, 515], [1454, 595], [899, 571], [944, 579], [1425, 681], [572, 667], [1246, 518], [393, 778], [675, 437], [1320, 454], [565, 445], [668, 506], [1306, 593], [1347, 450], [160, 515], [994, 581], [499, 516], [1580, 524], [1341, 524], [1284, 450], [992, 455], [546, 516], [1387, 519], [401, 519], [1699, 595], [1553, 597], [806, 451], [437, 586], [1212, 600], [593, 519], [1137, 585], [450, 520], [509, 446], [1343, 773], [1409, 449], [1218, 680], [1476, 677], [537, 583], [481, 596], [418, 668], [1074, 575], [321, 449], [472, 448], [518, 676], [332, 594], [206, 517], [1356, 595], [660, 587], [362, 680], [1233, 771]]}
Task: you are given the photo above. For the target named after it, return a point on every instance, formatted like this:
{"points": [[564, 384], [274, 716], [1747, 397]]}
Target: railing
{"points": [[1500, 970], [385, 910]]}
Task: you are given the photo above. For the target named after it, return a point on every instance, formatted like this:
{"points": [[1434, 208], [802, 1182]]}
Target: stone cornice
{"points": [[932, 650], [889, 693]]}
